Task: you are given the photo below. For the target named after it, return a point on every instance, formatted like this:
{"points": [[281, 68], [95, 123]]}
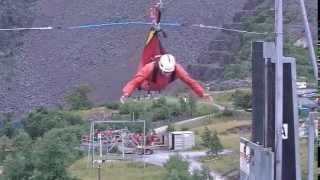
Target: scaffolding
{"points": [[118, 139]]}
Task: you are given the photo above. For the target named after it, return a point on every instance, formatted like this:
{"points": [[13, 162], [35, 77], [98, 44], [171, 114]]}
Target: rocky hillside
{"points": [[39, 67], [228, 56]]}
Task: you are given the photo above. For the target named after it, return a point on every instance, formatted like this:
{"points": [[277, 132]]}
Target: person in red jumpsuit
{"points": [[157, 74]]}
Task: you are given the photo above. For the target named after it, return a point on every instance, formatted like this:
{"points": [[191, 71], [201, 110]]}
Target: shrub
{"points": [[160, 113], [205, 109], [214, 144], [183, 104], [78, 98], [237, 71], [112, 105], [185, 129], [42, 120], [177, 168], [211, 141], [242, 99], [131, 106], [171, 128], [7, 128]]}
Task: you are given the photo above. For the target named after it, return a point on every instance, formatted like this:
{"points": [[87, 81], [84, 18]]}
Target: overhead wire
{"points": [[27, 28], [126, 23]]}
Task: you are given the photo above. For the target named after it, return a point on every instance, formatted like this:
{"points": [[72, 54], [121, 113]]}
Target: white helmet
{"points": [[167, 63]]}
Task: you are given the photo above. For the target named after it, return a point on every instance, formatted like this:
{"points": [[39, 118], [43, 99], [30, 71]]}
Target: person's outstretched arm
{"points": [[195, 86], [137, 80]]}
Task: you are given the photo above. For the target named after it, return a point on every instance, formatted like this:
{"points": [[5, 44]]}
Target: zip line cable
{"points": [[88, 26], [31, 28], [229, 29]]}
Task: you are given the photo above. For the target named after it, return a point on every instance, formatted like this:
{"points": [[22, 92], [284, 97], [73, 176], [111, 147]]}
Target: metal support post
{"points": [[309, 39], [100, 144], [122, 143], [93, 143], [279, 88], [144, 136], [311, 137], [99, 172], [89, 148]]}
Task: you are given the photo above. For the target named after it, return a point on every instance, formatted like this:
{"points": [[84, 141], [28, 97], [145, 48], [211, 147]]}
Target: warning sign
{"points": [[244, 158], [285, 131]]}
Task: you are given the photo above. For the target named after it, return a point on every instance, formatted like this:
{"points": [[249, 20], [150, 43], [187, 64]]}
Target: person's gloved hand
{"points": [[123, 99]]}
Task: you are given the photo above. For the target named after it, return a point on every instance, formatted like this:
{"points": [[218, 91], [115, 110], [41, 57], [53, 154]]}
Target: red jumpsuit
{"points": [[143, 79], [144, 75]]}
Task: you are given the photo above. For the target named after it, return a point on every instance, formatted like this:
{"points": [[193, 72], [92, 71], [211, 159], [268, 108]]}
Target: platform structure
{"points": [[257, 153]]}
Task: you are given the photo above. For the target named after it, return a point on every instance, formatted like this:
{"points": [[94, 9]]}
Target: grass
{"points": [[222, 164], [93, 112], [224, 98], [222, 125], [117, 171]]}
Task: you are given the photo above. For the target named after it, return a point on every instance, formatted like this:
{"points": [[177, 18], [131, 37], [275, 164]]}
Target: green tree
{"points": [[183, 105], [78, 98], [237, 71], [160, 109], [160, 113], [192, 105], [211, 140], [138, 108], [177, 168], [203, 174], [5, 147], [112, 105], [214, 144], [18, 163], [242, 99], [174, 175], [45, 159], [55, 152], [174, 109], [18, 166], [7, 128], [22, 142], [205, 137], [161, 102], [52, 160], [42, 120]]}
